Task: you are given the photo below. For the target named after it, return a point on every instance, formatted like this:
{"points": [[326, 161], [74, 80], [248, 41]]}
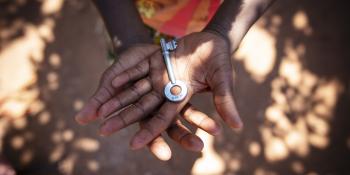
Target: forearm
{"points": [[123, 23], [235, 17]]}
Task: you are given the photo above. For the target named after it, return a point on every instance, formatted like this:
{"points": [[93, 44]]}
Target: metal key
{"points": [[169, 91]]}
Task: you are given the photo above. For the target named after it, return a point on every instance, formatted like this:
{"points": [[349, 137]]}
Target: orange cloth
{"points": [[177, 17]]}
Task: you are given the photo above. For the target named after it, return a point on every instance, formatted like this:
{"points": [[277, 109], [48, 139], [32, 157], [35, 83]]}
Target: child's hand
{"points": [[106, 92], [202, 60]]}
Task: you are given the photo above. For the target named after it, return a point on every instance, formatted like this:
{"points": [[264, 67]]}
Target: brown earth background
{"points": [[291, 86]]}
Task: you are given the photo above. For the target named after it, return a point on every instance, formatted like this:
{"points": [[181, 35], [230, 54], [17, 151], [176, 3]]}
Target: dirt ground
{"points": [[292, 90]]}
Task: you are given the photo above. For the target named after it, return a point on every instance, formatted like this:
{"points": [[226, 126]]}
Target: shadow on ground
{"points": [[292, 75]]}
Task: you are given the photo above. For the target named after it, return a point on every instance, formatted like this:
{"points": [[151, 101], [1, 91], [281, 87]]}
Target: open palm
{"points": [[202, 60]]}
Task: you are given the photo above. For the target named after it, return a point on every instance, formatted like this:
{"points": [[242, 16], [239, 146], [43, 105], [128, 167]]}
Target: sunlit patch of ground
{"points": [[257, 52], [18, 90], [302, 110], [22, 57], [210, 162], [297, 120], [300, 115], [19, 61]]}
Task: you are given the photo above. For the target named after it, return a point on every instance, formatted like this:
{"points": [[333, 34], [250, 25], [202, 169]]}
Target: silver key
{"points": [[166, 48]]}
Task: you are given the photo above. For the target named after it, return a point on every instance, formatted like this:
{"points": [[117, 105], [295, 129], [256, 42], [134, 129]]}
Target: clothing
{"points": [[177, 17]]}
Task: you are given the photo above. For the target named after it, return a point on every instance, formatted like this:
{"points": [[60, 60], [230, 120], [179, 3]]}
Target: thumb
{"points": [[221, 86]]}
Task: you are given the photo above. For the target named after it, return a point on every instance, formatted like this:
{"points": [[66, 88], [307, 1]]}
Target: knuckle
{"points": [[122, 119], [182, 136], [149, 129], [201, 120], [143, 84], [128, 74], [97, 99], [140, 108], [117, 101], [161, 119], [140, 68], [119, 65], [135, 89], [157, 95]]}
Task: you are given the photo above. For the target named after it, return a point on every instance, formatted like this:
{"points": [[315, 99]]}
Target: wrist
{"points": [[121, 44], [218, 33]]}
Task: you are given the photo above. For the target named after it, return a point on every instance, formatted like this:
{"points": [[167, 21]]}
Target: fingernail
{"points": [[80, 119], [216, 130], [109, 127], [195, 144], [105, 130], [102, 112], [163, 153], [83, 116], [238, 125]]}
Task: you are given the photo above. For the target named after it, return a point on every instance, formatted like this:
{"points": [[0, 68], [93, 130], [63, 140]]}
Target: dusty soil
{"points": [[309, 45]]}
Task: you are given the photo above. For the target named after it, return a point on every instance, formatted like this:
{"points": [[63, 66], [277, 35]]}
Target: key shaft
{"points": [[166, 48]]}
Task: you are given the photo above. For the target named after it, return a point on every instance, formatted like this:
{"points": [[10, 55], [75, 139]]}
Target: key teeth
{"points": [[174, 44], [171, 45]]}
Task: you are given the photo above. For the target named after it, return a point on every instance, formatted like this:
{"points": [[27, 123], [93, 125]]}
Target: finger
{"points": [[160, 148], [105, 91], [157, 124], [200, 119], [132, 114], [182, 135], [89, 112], [133, 56], [126, 97], [221, 84], [132, 74]]}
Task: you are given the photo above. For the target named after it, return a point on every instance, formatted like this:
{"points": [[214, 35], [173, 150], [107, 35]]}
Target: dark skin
{"points": [[202, 60]]}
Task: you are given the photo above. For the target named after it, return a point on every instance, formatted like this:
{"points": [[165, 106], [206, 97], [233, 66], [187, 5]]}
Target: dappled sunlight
{"points": [[301, 22], [263, 171], [55, 60], [51, 58], [78, 104], [19, 60], [44, 118], [87, 144], [93, 165], [302, 110], [57, 153], [257, 52], [26, 157], [20, 123], [51, 6], [275, 149], [68, 135], [210, 162], [298, 167], [254, 149], [15, 60], [52, 79], [36, 107], [45, 30], [17, 142], [67, 165], [30, 74]]}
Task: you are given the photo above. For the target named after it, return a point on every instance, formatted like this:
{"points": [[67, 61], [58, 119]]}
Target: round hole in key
{"points": [[175, 90]]}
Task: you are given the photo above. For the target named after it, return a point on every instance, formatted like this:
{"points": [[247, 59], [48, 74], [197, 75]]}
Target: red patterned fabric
{"points": [[177, 17]]}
